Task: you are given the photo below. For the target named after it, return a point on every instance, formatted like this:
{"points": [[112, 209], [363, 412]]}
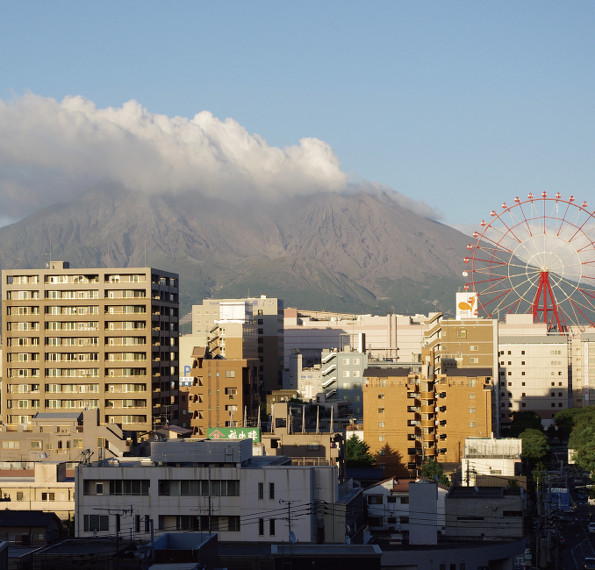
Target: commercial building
{"points": [[391, 337], [100, 338], [582, 346], [216, 486], [534, 376]]}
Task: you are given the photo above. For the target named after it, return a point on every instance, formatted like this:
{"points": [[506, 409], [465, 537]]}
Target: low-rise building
{"points": [[47, 488], [490, 456], [60, 436], [484, 513], [30, 528], [407, 509], [216, 486]]}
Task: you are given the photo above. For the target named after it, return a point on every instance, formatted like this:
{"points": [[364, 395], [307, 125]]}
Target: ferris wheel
{"points": [[536, 256]]}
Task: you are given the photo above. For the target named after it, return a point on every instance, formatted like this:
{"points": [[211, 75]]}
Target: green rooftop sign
{"points": [[234, 433]]}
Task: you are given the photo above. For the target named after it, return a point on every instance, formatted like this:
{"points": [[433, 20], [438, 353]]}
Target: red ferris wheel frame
{"points": [[536, 256]]}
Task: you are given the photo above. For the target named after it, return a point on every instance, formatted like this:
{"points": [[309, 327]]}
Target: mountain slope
{"points": [[357, 252]]}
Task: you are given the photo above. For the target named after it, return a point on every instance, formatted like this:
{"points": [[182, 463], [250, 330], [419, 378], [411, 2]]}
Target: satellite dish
{"points": [[292, 537]]}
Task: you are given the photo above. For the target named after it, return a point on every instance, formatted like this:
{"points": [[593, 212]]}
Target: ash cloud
{"points": [[51, 151]]}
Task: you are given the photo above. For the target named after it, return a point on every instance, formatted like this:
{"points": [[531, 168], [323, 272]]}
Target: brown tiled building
{"points": [[409, 418], [222, 391]]}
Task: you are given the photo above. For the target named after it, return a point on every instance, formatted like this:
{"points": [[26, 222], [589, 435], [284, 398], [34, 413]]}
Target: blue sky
{"points": [[461, 105]]}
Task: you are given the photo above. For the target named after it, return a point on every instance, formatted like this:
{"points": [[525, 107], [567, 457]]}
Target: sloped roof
{"points": [[10, 518]]}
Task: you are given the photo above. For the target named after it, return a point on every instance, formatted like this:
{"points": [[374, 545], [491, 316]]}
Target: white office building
{"points": [[216, 486]]}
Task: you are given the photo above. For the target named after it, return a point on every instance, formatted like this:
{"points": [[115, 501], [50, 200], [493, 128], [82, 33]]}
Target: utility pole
{"points": [[288, 503]]}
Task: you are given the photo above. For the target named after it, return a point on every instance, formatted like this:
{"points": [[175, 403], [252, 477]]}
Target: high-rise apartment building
{"points": [[409, 418], [464, 343], [103, 338]]}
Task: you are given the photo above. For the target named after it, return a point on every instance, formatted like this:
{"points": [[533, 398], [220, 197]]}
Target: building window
{"points": [[233, 523], [261, 490], [96, 523], [261, 527], [380, 410], [271, 491], [462, 334], [272, 527], [230, 373]]}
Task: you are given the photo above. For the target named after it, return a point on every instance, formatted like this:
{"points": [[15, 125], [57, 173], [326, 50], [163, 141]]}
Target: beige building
{"points": [[263, 321], [48, 487], [462, 343], [60, 436], [389, 337], [409, 418], [98, 338], [534, 375], [582, 346]]}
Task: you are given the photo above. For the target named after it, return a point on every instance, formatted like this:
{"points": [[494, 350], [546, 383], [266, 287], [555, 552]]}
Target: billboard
{"points": [[466, 306], [234, 433]]}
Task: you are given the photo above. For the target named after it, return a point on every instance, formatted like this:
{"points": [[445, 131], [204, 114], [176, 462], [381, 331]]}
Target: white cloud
{"points": [[51, 151]]}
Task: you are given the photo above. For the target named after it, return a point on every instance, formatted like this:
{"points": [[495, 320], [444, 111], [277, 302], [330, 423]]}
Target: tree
{"points": [[433, 471], [535, 445], [582, 437], [357, 453], [585, 456], [523, 421]]}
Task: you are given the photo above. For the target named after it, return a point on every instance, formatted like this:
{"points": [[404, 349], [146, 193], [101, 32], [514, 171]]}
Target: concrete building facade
{"points": [[534, 376], [60, 436], [490, 456], [104, 338], [216, 486], [391, 337]]}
